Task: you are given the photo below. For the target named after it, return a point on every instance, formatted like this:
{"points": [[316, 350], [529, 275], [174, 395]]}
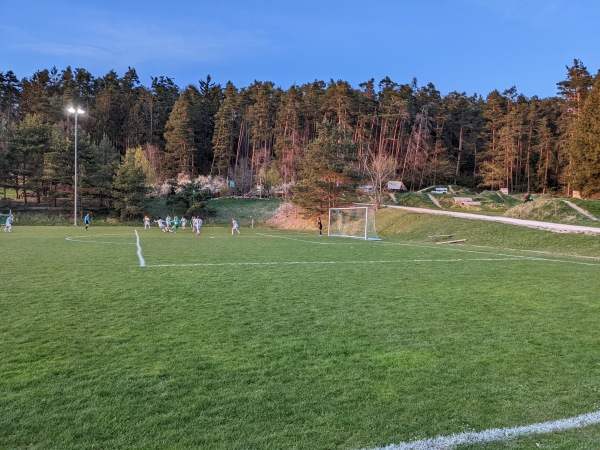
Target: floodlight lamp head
{"points": [[71, 110]]}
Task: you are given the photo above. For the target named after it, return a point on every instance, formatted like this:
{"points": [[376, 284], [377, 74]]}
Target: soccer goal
{"points": [[355, 222]]}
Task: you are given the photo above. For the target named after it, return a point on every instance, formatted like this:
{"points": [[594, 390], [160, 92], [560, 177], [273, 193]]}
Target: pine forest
{"points": [[316, 143]]}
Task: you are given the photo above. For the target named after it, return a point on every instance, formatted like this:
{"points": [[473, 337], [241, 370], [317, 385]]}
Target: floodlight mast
{"points": [[75, 111]]}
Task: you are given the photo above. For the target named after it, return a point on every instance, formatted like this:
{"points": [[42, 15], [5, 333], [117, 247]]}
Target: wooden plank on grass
{"points": [[452, 242]]}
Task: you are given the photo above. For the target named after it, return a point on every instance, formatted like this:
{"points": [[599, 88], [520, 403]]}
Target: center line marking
{"points": [[139, 249]]}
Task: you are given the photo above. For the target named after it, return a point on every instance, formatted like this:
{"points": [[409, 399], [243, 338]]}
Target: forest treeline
{"points": [[318, 141]]}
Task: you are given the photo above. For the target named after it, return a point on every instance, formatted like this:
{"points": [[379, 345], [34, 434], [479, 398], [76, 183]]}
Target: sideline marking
{"points": [[139, 249], [290, 263], [523, 257], [497, 434], [543, 252]]}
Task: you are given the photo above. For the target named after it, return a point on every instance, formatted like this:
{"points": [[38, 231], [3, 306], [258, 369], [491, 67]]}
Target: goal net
{"points": [[355, 222]]}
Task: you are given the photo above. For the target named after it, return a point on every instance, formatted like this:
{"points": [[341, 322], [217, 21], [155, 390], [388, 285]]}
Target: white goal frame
{"points": [[364, 231]]}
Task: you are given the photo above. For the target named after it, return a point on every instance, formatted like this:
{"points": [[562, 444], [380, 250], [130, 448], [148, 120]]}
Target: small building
{"points": [[396, 185]]}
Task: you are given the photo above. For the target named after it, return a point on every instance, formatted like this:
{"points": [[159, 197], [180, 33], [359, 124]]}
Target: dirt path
{"points": [[555, 227], [434, 200], [581, 210]]}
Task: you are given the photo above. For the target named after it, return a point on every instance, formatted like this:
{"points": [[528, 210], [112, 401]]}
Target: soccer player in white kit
{"points": [[8, 224], [161, 224]]}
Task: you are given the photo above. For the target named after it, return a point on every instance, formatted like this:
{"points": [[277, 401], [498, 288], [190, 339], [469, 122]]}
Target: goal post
{"points": [[354, 222]]}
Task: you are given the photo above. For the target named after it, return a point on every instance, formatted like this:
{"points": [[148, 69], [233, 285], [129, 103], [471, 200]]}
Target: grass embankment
{"points": [[417, 227], [591, 206], [544, 208]]}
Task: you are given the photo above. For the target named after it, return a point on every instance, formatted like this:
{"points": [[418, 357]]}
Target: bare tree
{"points": [[379, 168]]}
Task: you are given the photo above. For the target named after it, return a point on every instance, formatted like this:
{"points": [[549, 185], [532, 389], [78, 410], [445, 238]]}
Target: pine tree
{"points": [[103, 166], [107, 116], [211, 95], [340, 104], [585, 145], [261, 118], [328, 178], [289, 144], [575, 88], [546, 156], [59, 161], [129, 185], [396, 111], [164, 95], [573, 91], [35, 95], [10, 94], [29, 140], [180, 133], [492, 169], [226, 131]]}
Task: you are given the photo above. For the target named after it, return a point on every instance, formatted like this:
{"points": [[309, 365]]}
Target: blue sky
{"points": [[472, 46]]}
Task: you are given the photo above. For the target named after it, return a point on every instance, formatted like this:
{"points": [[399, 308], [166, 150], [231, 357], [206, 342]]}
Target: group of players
{"points": [[167, 225], [172, 224]]}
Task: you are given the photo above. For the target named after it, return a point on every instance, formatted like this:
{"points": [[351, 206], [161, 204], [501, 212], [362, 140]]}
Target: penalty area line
{"points": [[497, 434], [139, 249]]}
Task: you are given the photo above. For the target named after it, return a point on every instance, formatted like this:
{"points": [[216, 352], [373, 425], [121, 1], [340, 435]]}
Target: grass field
{"points": [[277, 339]]}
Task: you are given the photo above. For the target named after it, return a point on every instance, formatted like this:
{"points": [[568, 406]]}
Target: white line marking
{"points": [[581, 263], [542, 252], [479, 252], [90, 241], [289, 263], [457, 249], [139, 249], [298, 240], [497, 434], [498, 257]]}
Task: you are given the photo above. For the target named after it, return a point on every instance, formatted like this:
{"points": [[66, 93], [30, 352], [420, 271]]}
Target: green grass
{"points": [[278, 339]]}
